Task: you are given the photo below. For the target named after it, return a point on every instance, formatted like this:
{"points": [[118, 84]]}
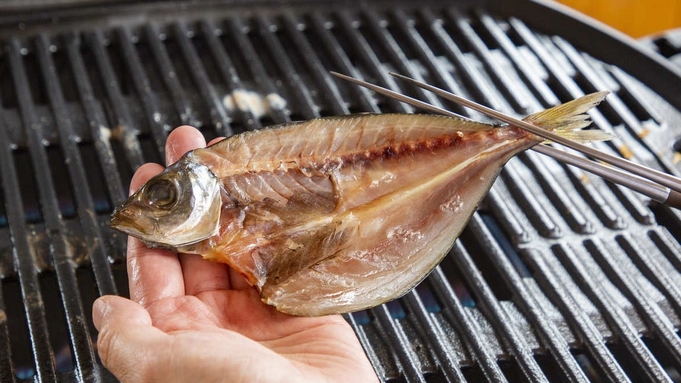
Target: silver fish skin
{"points": [[335, 214]]}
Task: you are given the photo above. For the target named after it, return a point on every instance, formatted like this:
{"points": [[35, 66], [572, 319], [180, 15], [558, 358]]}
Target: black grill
{"points": [[559, 276]]}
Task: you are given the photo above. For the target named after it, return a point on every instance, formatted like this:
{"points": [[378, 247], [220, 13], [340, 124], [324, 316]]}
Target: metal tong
{"points": [[657, 185]]}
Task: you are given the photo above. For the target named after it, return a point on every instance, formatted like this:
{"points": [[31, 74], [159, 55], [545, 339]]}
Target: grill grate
{"points": [[560, 276]]}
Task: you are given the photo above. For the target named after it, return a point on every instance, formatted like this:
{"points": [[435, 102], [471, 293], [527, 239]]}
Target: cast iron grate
{"points": [[559, 276]]}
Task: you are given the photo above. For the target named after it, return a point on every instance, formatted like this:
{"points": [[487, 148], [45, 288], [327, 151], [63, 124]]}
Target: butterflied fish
{"points": [[335, 214]]}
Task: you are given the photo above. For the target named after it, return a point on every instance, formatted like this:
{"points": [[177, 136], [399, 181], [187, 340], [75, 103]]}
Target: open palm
{"points": [[194, 320]]}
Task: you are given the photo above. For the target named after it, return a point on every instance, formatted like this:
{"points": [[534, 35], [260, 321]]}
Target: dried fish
{"points": [[335, 214]]}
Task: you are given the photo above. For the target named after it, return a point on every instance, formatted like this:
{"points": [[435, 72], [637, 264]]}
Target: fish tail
{"points": [[569, 119]]}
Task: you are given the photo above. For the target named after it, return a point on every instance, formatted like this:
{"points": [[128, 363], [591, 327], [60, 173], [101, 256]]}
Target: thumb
{"points": [[128, 345]]}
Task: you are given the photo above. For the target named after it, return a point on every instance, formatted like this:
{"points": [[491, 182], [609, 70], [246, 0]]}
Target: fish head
{"points": [[176, 208]]}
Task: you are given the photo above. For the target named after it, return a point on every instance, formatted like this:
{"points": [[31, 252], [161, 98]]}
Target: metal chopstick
{"points": [[655, 191], [662, 178]]}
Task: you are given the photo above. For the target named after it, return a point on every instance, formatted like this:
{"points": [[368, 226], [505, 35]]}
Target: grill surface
{"points": [[560, 276]]}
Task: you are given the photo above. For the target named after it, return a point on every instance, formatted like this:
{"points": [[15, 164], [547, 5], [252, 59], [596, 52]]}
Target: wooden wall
{"points": [[636, 18]]}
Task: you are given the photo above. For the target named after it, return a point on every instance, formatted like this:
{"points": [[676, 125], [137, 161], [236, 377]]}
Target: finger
{"points": [[153, 274], [181, 140], [237, 280], [215, 140], [143, 174], [128, 345], [199, 275], [185, 313]]}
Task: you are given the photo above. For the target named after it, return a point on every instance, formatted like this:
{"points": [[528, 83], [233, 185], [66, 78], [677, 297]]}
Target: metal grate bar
{"points": [[363, 52], [238, 31], [229, 74], [28, 279], [453, 53], [300, 93], [340, 60], [124, 126], [364, 341], [169, 76], [404, 353], [634, 205], [559, 73], [26, 271], [582, 224], [460, 25], [511, 51], [6, 365], [668, 246], [466, 327], [449, 362], [613, 314], [395, 55], [435, 68], [635, 97], [581, 323], [328, 90], [651, 312], [553, 71], [651, 268], [594, 195], [547, 331], [67, 137], [218, 113], [514, 90], [598, 81], [96, 121], [539, 217], [68, 286], [150, 103], [568, 84], [558, 193], [499, 318], [511, 224], [594, 198]]}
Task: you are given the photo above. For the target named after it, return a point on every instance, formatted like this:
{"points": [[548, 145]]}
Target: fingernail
{"points": [[99, 309]]}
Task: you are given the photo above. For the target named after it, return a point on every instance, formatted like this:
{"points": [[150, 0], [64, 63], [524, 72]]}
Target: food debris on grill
{"points": [[335, 214]]}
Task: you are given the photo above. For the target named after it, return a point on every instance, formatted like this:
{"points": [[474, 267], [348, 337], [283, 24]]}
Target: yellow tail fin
{"points": [[570, 118]]}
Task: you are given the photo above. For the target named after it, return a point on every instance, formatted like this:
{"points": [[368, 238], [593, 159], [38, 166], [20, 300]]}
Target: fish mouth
{"points": [[122, 222]]}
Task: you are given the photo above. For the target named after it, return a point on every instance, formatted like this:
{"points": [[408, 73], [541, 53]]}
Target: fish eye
{"points": [[162, 194]]}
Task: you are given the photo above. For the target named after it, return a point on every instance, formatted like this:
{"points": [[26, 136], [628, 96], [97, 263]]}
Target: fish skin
{"points": [[340, 214]]}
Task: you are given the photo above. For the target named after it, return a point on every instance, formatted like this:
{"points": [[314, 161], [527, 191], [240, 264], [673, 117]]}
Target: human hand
{"points": [[194, 320]]}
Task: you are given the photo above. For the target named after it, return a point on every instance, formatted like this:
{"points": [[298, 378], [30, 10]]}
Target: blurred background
{"points": [[636, 18]]}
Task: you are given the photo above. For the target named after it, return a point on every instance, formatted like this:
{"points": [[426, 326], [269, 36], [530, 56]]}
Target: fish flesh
{"points": [[335, 214]]}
